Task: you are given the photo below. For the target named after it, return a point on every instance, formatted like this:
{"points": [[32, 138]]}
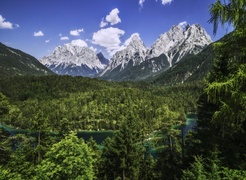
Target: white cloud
{"points": [[64, 38], [39, 33], [76, 32], [164, 2], [5, 24], [79, 42], [108, 38], [183, 24], [47, 41], [113, 17], [60, 34], [141, 2], [103, 23]]}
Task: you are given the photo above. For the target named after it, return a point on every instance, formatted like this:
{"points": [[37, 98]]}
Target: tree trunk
{"points": [[123, 175], [39, 140]]}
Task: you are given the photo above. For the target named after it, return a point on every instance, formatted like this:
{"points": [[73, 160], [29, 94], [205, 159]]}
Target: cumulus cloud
{"points": [[39, 33], [108, 38], [47, 41], [113, 17], [5, 24], [79, 42], [64, 38], [164, 2], [103, 23], [183, 24], [141, 2], [76, 32]]}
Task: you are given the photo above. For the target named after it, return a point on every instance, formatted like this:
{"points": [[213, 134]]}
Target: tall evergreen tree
{"points": [[222, 107], [122, 154]]}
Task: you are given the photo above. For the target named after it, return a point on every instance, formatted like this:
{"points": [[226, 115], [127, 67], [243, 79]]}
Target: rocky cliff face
{"points": [[132, 54], [73, 60], [179, 41], [168, 49]]}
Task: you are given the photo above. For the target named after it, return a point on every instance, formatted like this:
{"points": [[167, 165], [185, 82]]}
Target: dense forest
{"points": [[147, 119]]}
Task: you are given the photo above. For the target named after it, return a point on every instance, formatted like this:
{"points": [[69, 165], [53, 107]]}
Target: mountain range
{"points": [[184, 53], [138, 62]]}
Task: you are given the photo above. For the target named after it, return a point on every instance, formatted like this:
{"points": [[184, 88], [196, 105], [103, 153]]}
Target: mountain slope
{"points": [[102, 59], [180, 41], [189, 68], [73, 60], [133, 54], [15, 62]]}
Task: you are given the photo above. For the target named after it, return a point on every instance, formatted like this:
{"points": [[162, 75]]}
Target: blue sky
{"points": [[38, 26]]}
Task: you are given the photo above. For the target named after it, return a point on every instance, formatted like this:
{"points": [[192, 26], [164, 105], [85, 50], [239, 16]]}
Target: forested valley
{"points": [[146, 121]]}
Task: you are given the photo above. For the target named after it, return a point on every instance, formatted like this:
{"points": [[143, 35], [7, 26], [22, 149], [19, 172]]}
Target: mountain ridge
{"points": [[168, 49], [16, 62]]}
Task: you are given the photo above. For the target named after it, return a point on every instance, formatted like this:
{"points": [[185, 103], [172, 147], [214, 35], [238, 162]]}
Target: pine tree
{"points": [[122, 154], [222, 107]]}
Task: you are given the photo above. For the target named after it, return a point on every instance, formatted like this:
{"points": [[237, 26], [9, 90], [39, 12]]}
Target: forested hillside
{"points": [[82, 104], [61, 104], [15, 62], [190, 68]]}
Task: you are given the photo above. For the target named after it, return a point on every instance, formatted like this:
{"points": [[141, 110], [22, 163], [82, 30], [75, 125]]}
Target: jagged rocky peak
{"points": [[103, 60], [73, 59], [135, 42], [198, 34], [180, 40], [133, 50]]}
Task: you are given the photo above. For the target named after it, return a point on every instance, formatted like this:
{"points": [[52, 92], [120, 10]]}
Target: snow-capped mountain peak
{"points": [[182, 39], [133, 51], [73, 60], [135, 60]]}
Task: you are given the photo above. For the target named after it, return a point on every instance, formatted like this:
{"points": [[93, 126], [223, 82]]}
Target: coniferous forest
{"points": [[146, 121]]}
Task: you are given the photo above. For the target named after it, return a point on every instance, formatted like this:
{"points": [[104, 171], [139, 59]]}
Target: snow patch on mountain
{"points": [[133, 49], [179, 41], [71, 56]]}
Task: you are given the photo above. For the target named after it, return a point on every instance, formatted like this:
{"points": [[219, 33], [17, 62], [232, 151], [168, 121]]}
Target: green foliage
{"points": [[142, 115], [14, 62], [211, 168], [74, 103], [221, 109], [96, 155], [122, 155], [22, 159], [197, 171], [191, 68], [5, 146], [167, 142], [231, 12], [70, 158]]}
